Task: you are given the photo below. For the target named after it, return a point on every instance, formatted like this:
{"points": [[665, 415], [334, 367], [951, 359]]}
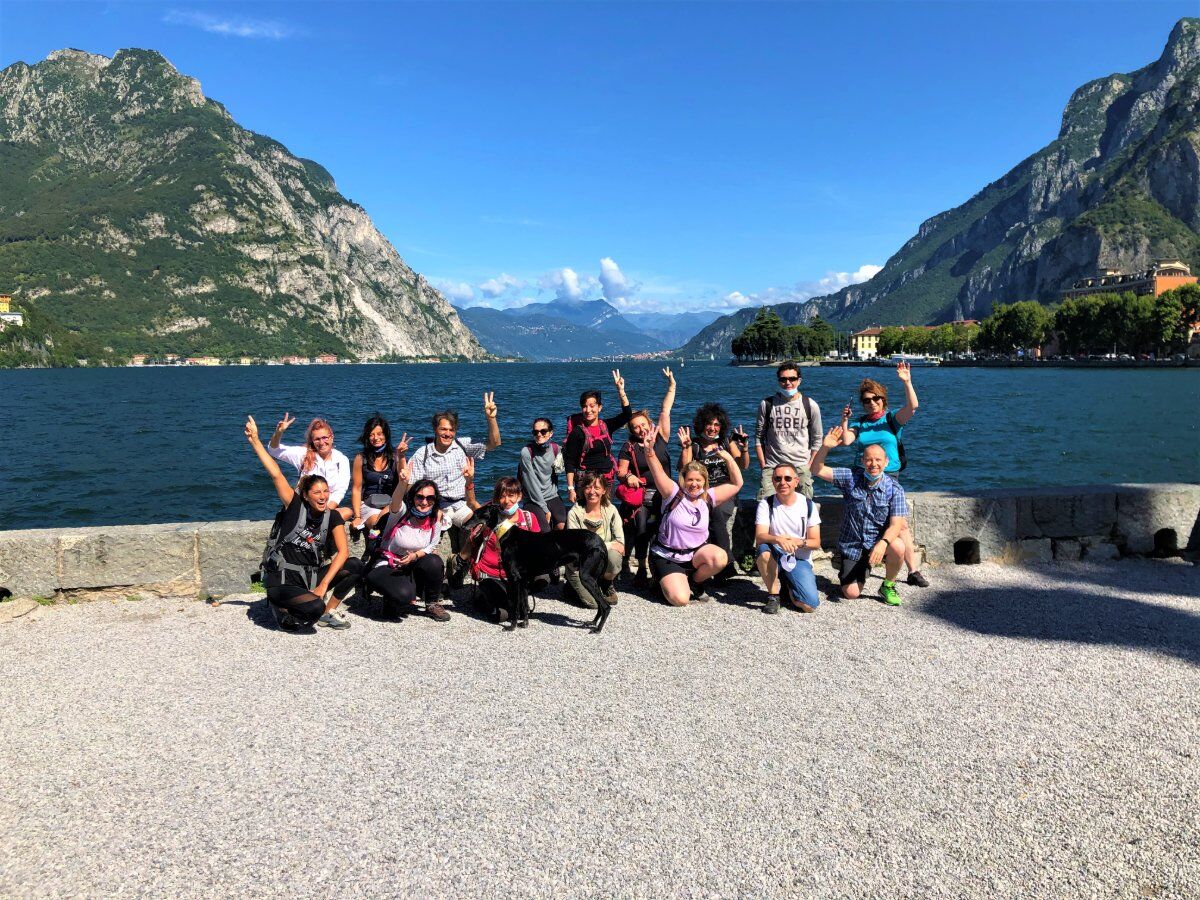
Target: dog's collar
{"points": [[503, 528]]}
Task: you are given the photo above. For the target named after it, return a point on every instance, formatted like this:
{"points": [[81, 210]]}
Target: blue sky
{"points": [[668, 156]]}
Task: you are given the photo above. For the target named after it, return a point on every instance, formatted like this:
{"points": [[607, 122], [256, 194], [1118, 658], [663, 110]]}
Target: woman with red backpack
{"points": [[589, 437], [640, 500]]}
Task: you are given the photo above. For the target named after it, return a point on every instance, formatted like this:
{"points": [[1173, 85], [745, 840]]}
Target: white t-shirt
{"points": [[335, 470], [790, 521]]}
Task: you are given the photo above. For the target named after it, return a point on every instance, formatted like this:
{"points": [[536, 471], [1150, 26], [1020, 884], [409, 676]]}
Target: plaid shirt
{"points": [[446, 469], [867, 510]]}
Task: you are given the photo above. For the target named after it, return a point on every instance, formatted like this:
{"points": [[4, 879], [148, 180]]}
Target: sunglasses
{"points": [[424, 498], [788, 379], [543, 431], [871, 398], [786, 479]]}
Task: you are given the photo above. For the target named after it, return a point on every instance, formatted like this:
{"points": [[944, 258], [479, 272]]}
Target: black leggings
{"points": [[493, 594], [640, 527], [400, 587], [305, 606], [718, 525]]}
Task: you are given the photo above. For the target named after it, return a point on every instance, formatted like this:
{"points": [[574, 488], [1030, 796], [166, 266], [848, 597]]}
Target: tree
{"points": [[824, 338], [891, 340], [941, 339], [1017, 326]]}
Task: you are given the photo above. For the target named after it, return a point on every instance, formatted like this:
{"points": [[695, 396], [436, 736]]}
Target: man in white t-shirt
{"points": [[787, 530]]}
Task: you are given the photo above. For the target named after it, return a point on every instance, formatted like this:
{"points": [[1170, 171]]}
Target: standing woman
{"points": [[308, 555], [375, 471], [406, 564], [879, 425], [640, 500], [538, 469], [710, 434], [681, 558], [316, 457]]}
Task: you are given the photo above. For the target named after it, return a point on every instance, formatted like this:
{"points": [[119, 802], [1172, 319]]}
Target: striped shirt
{"points": [[867, 509]]}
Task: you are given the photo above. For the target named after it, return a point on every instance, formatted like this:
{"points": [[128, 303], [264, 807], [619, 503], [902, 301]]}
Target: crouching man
{"points": [[873, 518], [786, 531]]}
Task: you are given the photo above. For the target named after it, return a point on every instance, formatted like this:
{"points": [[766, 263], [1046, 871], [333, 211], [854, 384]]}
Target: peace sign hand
{"points": [[251, 430], [669, 375], [285, 423], [685, 436], [739, 436], [468, 469], [402, 447], [489, 404], [618, 381]]}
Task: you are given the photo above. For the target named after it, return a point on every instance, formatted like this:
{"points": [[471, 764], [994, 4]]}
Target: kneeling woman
{"points": [[307, 532], [487, 569], [597, 515], [406, 562], [681, 559]]}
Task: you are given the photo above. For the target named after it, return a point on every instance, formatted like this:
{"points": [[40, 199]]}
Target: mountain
{"points": [[558, 330], [1119, 187], [673, 329], [136, 211]]}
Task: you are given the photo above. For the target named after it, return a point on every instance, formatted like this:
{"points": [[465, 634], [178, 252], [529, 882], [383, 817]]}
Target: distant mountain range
{"points": [[578, 329], [135, 213], [1119, 187]]}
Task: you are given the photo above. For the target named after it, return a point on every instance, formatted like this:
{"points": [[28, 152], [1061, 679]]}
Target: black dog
{"points": [[528, 554], [5, 593]]}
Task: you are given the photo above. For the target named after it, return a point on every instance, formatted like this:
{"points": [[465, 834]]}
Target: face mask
{"points": [[789, 392], [874, 480], [421, 513], [512, 510]]}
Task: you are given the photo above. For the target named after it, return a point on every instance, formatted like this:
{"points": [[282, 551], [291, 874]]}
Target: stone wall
{"points": [[216, 558]]}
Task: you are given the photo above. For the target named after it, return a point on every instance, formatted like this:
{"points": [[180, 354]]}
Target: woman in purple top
{"points": [[681, 558]]}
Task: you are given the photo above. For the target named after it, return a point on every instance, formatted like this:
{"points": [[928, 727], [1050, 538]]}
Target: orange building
{"points": [[1164, 275]]}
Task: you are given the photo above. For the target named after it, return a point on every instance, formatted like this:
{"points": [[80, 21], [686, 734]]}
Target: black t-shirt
{"points": [[718, 469], [635, 454], [598, 457], [301, 550]]}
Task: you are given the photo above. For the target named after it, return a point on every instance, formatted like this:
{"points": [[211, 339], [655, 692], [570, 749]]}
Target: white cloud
{"points": [[457, 292], [801, 290], [230, 26], [614, 284], [501, 284], [564, 282]]}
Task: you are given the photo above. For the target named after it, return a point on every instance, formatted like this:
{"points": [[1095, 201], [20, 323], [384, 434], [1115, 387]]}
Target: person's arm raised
{"points": [[739, 447], [664, 416], [816, 465], [904, 413], [685, 444], [404, 477], [493, 424], [849, 435], [284, 424], [282, 487], [728, 491], [662, 480]]}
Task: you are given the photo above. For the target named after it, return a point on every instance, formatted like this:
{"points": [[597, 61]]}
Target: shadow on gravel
{"points": [[259, 612], [1067, 615]]}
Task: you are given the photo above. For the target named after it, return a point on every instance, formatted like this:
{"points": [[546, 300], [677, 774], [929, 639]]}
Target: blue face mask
{"points": [[419, 513], [789, 392], [873, 480], [512, 510]]}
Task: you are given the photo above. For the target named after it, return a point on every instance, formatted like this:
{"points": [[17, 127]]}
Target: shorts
{"points": [[552, 513], [365, 512], [855, 570], [661, 566]]}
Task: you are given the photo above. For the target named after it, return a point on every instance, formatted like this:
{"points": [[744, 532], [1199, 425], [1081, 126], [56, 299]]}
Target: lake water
{"points": [[119, 446]]}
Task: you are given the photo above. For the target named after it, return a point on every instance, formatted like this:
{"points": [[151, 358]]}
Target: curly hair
{"points": [[706, 414]]}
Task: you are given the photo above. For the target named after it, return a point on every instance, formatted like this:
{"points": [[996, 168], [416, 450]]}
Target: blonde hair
{"points": [[693, 466]]}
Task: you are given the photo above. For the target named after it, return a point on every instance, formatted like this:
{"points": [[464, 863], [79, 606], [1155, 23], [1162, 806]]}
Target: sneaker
{"points": [[437, 612], [698, 595], [334, 620], [889, 595], [918, 579], [772, 606], [355, 534]]}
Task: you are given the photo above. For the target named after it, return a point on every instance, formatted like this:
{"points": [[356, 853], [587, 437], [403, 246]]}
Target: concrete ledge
{"points": [[1037, 524]]}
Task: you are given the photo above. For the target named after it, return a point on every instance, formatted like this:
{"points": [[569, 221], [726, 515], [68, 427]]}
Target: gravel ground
{"points": [[1007, 732]]}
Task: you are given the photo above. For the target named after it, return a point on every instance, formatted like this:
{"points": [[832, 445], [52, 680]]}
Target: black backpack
{"points": [[272, 559]]}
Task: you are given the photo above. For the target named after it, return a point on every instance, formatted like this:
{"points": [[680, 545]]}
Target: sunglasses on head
{"points": [[424, 498], [543, 430], [786, 479], [870, 398]]}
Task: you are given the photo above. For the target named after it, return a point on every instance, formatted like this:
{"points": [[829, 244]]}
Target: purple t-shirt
{"points": [[683, 530]]}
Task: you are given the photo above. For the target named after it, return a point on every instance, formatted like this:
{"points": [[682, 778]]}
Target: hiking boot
{"points": [[285, 620], [772, 606], [437, 612], [888, 594], [334, 620], [918, 579]]}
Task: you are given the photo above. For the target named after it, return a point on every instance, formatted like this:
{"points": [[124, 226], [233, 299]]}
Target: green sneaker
{"points": [[889, 595]]}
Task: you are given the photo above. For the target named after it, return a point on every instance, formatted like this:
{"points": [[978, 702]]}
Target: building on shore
{"points": [[1164, 275], [203, 361], [138, 359], [7, 316], [865, 344], [325, 359]]}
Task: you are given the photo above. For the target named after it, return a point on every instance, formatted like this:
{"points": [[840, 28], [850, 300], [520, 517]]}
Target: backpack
{"points": [[894, 427], [272, 558], [380, 540], [575, 420], [771, 511], [632, 497]]}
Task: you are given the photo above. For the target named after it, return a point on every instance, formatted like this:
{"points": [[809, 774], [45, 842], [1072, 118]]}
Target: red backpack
{"points": [[592, 435]]}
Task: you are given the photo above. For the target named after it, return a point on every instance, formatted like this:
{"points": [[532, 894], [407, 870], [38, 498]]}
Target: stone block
{"points": [[128, 555], [1101, 550], [1067, 550], [940, 520], [1034, 550], [1145, 509], [229, 553], [1065, 512], [29, 562]]}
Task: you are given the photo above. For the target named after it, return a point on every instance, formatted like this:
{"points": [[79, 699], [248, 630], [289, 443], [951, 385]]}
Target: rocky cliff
{"points": [[135, 210], [1119, 187]]}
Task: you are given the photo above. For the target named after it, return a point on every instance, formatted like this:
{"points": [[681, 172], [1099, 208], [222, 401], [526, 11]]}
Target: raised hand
{"points": [[847, 412], [670, 376], [834, 438], [739, 436], [406, 473], [489, 404], [402, 446], [903, 372], [618, 381], [251, 430], [685, 436], [468, 469], [285, 423]]}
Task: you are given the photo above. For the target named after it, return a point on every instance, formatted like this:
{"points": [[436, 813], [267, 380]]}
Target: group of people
{"points": [[666, 525]]}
